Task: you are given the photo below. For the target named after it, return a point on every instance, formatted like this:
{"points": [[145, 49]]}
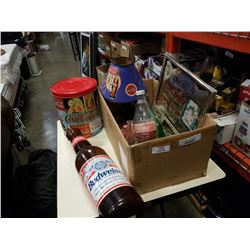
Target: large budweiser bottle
{"points": [[111, 192]]}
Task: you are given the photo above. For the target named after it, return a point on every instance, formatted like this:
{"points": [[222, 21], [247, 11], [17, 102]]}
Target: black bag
{"points": [[36, 186]]}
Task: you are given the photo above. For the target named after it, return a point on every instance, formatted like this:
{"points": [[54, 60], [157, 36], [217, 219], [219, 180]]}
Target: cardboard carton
{"points": [[241, 138], [130, 50], [115, 49], [164, 161], [102, 73], [225, 127]]}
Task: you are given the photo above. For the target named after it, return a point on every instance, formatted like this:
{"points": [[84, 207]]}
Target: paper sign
{"points": [[123, 159], [160, 149], [189, 140]]}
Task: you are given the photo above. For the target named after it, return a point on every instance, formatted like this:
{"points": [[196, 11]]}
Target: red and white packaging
{"points": [[244, 94], [241, 138]]}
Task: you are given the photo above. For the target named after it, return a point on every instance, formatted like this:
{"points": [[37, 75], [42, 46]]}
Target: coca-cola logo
{"points": [[77, 117], [131, 89]]}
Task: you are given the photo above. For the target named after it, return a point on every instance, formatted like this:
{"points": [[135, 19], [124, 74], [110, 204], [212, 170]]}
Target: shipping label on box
{"points": [[241, 138]]}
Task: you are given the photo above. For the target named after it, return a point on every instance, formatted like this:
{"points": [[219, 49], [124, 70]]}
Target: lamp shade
{"points": [[122, 81]]}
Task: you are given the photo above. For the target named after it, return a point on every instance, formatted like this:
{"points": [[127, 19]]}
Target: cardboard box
{"points": [[130, 50], [115, 49], [102, 71], [152, 89], [241, 138], [225, 127], [164, 161]]}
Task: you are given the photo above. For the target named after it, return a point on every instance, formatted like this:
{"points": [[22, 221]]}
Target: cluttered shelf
{"points": [[237, 41], [235, 159]]}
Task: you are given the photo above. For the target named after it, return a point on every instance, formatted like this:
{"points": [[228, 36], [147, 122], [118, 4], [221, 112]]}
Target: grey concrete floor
{"points": [[40, 114]]}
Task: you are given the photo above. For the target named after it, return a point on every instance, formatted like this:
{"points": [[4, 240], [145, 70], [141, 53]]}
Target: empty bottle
{"points": [[144, 122]]}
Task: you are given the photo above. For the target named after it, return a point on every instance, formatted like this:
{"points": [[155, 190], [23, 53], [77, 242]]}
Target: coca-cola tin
{"points": [[77, 104]]}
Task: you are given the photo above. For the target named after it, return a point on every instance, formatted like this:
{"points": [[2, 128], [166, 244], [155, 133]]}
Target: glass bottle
{"points": [[144, 122], [112, 194]]}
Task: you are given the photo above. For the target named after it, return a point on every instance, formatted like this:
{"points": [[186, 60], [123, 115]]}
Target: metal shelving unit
{"points": [[237, 41]]}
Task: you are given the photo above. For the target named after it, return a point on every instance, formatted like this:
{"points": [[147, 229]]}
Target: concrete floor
{"points": [[40, 114]]}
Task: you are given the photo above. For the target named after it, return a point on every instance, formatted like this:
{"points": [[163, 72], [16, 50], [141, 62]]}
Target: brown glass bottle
{"points": [[120, 199]]}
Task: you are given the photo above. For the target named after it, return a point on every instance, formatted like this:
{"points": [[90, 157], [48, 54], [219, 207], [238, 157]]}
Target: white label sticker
{"points": [[229, 54], [160, 149], [189, 140], [124, 159], [101, 176]]}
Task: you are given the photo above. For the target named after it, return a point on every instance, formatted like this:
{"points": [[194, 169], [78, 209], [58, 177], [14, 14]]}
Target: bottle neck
{"points": [[79, 142], [141, 99]]}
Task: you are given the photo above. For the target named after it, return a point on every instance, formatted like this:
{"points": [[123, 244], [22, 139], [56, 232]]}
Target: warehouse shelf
{"points": [[231, 162], [237, 41]]}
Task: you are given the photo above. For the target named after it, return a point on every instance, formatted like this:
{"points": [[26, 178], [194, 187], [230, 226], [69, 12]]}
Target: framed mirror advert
{"points": [[185, 96]]}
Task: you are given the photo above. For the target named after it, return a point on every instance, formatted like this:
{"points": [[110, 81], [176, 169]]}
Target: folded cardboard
{"points": [[225, 127], [115, 49], [241, 138], [164, 161], [102, 73]]}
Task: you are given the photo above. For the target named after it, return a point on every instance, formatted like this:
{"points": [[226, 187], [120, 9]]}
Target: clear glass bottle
{"points": [[145, 127]]}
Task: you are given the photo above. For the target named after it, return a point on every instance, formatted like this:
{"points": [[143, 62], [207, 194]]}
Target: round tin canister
{"points": [[77, 105]]}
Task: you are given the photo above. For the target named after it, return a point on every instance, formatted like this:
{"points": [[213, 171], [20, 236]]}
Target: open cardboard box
{"points": [[163, 161]]}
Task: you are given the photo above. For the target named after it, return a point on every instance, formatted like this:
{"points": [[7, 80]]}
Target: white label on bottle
{"points": [[160, 149], [101, 176], [189, 140]]}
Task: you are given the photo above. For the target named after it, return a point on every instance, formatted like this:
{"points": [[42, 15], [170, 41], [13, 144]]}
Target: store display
{"points": [[241, 138], [122, 82], [77, 104], [109, 189], [187, 97], [145, 127]]}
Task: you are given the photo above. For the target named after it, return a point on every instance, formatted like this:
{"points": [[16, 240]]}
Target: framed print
{"points": [[186, 97]]}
